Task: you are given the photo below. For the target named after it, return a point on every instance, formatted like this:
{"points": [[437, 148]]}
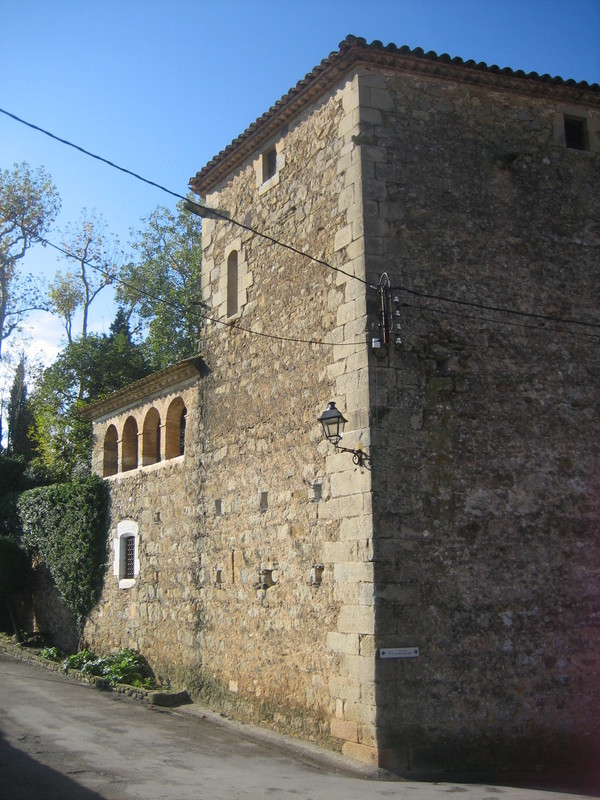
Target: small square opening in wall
{"points": [[269, 164], [575, 133]]}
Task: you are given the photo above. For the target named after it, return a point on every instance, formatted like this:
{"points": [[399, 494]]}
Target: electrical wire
{"points": [[297, 340], [88, 153], [186, 309], [499, 309], [213, 212], [511, 323], [297, 251]]}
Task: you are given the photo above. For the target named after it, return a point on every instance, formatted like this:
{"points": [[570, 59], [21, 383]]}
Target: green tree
{"points": [[96, 254], [29, 204], [20, 417], [86, 370], [162, 287]]}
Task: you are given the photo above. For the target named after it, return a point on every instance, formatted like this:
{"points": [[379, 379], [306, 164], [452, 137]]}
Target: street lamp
{"points": [[333, 423]]}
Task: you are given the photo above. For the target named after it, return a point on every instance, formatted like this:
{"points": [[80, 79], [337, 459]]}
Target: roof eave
{"points": [[355, 52], [140, 391]]}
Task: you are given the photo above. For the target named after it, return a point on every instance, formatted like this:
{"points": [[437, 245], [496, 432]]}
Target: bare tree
{"points": [[96, 255], [29, 204], [65, 297]]}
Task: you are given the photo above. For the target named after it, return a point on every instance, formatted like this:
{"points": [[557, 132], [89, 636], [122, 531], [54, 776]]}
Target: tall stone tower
{"points": [[443, 289], [414, 238]]}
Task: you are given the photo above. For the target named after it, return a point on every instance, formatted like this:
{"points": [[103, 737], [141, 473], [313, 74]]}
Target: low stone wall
{"points": [[50, 616]]}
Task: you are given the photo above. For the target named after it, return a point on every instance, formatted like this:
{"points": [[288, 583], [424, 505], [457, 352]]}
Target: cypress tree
{"points": [[20, 418]]}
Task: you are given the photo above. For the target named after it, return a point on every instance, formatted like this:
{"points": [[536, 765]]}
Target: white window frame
{"points": [[125, 529]]}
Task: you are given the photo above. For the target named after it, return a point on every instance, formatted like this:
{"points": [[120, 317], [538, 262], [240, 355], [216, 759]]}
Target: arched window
{"points": [[151, 438], [129, 445], [110, 464], [232, 283], [175, 429]]}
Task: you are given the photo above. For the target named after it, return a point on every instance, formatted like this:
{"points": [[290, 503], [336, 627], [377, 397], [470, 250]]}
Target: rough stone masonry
{"points": [[440, 609]]}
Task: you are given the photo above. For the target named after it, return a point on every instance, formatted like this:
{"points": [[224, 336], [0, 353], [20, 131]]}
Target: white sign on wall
{"points": [[399, 652]]}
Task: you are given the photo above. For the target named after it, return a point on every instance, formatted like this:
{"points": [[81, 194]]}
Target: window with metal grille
{"points": [[126, 563], [129, 557]]}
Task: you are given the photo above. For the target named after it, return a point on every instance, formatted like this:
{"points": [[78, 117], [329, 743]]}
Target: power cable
{"points": [[88, 153], [297, 251], [535, 328], [210, 211], [276, 337], [499, 309], [186, 309]]}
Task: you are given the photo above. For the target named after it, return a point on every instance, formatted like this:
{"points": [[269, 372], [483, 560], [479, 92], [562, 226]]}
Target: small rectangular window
{"points": [[269, 163], [575, 133], [232, 283], [264, 501], [218, 508]]}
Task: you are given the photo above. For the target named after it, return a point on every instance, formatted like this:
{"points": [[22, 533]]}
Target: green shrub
{"points": [[11, 473], [50, 653], [78, 660], [11, 482], [10, 524], [67, 524], [14, 569], [126, 666]]}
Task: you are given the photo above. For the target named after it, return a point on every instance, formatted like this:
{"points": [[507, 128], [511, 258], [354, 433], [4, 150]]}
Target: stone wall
{"points": [[48, 614], [280, 569], [485, 425], [286, 519], [160, 614]]}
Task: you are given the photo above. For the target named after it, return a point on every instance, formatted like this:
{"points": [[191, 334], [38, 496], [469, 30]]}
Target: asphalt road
{"points": [[65, 740]]}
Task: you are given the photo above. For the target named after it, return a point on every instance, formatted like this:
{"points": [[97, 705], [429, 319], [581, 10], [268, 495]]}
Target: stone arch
{"points": [[175, 429], [151, 438], [129, 445], [110, 464]]}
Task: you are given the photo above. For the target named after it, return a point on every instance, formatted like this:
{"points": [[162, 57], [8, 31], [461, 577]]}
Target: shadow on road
{"points": [[24, 778]]}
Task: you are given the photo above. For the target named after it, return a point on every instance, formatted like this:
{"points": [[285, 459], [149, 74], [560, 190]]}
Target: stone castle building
{"points": [[415, 238]]}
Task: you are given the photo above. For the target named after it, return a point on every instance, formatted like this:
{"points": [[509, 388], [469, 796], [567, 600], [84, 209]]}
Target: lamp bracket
{"points": [[359, 457]]}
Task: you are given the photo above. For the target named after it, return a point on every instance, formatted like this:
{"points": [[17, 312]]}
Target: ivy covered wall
{"points": [[61, 531], [66, 525]]}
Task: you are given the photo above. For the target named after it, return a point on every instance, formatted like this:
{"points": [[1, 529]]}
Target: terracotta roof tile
{"points": [[354, 50], [135, 393]]}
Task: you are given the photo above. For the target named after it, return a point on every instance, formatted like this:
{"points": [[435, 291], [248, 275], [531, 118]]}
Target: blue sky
{"points": [[160, 87]]}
